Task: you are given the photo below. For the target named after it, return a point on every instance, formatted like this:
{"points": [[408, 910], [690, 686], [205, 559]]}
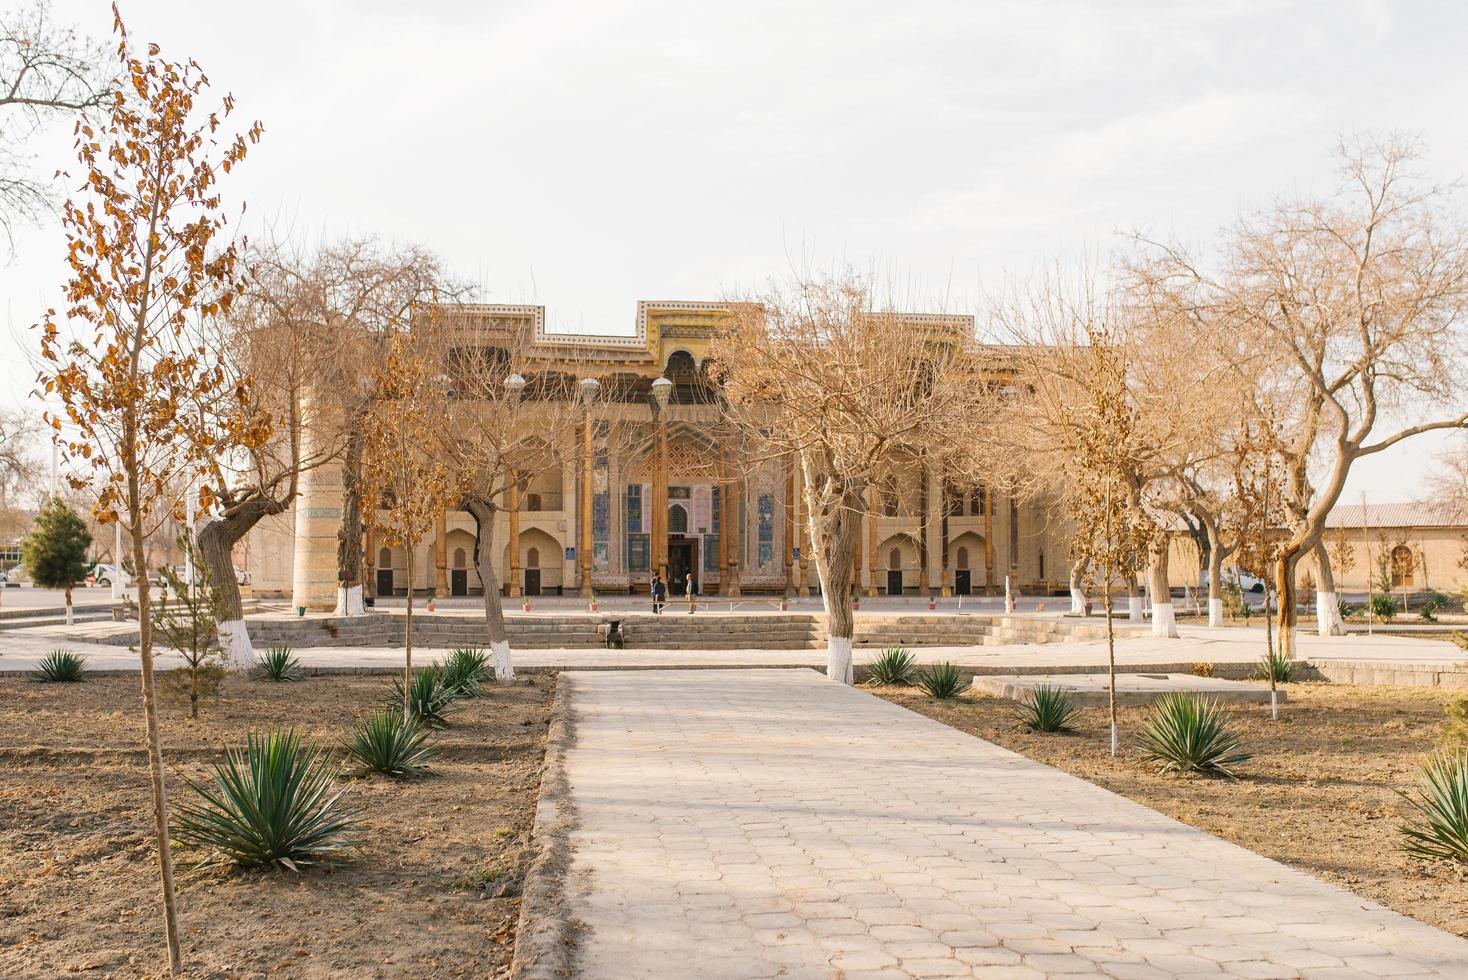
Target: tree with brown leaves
{"points": [[144, 405], [405, 482]]}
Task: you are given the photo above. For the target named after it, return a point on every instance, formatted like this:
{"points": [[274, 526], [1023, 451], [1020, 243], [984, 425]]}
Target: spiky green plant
{"points": [[280, 664], [893, 665], [1274, 666], [1187, 733], [430, 701], [466, 669], [1384, 607], [1440, 802], [941, 681], [386, 743], [60, 667], [273, 803], [1047, 709]]}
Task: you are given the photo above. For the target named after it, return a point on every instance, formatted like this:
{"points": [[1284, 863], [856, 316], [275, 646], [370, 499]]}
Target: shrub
{"points": [[279, 664], [1440, 802], [388, 744], [430, 702], [1047, 709], [893, 665], [1187, 734], [941, 681], [1435, 603], [60, 667], [1345, 609], [1384, 607], [1274, 666], [272, 804], [1202, 669], [465, 670]]}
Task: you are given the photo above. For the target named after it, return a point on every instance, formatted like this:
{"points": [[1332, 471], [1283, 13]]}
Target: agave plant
{"points": [[1187, 733], [274, 803], [465, 670], [1274, 666], [893, 666], [60, 667], [385, 742], [1047, 709], [279, 664], [430, 700], [941, 681], [1440, 800]]}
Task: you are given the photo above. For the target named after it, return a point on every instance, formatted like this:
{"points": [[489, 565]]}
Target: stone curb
{"points": [[545, 937]]}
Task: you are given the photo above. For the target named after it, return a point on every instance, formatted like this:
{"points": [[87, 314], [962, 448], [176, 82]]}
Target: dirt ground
{"points": [[435, 894], [1319, 793]]}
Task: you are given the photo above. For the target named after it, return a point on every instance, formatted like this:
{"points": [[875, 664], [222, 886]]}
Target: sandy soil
{"points": [[436, 894], [1318, 795]]}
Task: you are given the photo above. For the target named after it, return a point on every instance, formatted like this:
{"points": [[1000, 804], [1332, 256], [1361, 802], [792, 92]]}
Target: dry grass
{"points": [[435, 896]]}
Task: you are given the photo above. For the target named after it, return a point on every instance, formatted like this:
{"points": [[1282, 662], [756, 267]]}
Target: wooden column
{"points": [[369, 565], [790, 543], [660, 498], [585, 543], [512, 583], [440, 556], [802, 540], [873, 500], [733, 508], [988, 539]]}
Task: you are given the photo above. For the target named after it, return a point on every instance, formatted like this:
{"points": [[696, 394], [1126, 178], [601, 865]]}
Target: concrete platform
{"points": [[1091, 689]]}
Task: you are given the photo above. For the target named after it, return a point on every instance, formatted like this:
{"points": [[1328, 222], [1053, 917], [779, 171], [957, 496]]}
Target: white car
{"points": [[1247, 582], [103, 575]]}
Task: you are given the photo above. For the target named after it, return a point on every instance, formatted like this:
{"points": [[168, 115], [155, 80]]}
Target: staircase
{"points": [[677, 630]]}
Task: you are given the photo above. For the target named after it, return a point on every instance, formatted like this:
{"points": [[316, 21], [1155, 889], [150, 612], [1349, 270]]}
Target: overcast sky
{"points": [[584, 156]]}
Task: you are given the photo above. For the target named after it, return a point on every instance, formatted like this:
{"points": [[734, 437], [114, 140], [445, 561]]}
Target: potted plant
{"points": [[932, 602], [524, 603], [431, 597], [592, 604], [855, 601], [785, 602]]}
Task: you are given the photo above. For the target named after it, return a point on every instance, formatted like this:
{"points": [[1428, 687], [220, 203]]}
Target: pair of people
{"points": [[659, 591]]}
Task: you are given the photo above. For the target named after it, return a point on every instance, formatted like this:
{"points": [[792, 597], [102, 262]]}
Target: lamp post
{"points": [[589, 388], [514, 385], [662, 390]]}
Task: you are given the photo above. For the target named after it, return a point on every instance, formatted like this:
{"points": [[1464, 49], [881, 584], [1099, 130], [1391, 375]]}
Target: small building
{"points": [[1419, 546]]}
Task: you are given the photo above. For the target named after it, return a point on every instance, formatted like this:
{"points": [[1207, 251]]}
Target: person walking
{"points": [[659, 592]]}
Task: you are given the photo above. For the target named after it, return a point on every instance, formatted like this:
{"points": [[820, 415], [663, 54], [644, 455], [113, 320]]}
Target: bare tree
{"points": [[511, 417], [815, 371], [46, 71], [305, 331], [144, 406], [1354, 305]]}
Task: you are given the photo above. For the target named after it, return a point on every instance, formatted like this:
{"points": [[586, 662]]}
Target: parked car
{"points": [[103, 575], [1247, 582]]}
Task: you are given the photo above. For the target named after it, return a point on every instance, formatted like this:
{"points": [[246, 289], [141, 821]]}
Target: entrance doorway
{"points": [[384, 581], [894, 581], [682, 560], [963, 583], [459, 581], [532, 581]]}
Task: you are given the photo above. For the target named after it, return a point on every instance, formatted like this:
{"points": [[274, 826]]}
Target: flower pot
{"points": [[429, 607], [525, 607], [784, 606], [592, 605], [300, 610]]}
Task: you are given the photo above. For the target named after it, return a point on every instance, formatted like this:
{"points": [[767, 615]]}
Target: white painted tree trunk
{"points": [[1215, 612], [1164, 620], [237, 646], [69, 621], [839, 666], [504, 670], [1328, 615], [349, 602], [1134, 609], [1077, 602]]}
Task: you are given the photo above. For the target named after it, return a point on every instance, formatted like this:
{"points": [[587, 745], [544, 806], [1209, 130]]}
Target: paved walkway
{"points": [[769, 823]]}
